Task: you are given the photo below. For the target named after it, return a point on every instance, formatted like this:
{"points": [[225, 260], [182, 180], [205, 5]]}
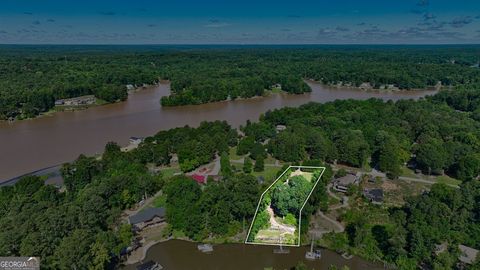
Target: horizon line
{"points": [[238, 44]]}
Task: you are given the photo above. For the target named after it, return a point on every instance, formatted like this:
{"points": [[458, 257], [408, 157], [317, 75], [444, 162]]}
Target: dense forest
{"points": [[32, 78]]}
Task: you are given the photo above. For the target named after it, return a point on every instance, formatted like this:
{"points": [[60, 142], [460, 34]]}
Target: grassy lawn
{"points": [[445, 179], [233, 154], [270, 160], [408, 172], [276, 90], [160, 201], [269, 173], [169, 172]]}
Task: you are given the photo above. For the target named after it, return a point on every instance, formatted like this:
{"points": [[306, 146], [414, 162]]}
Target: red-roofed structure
{"points": [[201, 179]]}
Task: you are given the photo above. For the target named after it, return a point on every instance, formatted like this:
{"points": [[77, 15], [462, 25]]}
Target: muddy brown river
{"points": [[182, 255], [30, 145]]}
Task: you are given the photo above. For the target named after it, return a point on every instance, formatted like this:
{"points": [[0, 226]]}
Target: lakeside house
{"points": [[147, 217], [374, 195], [76, 101], [136, 140], [341, 184]]}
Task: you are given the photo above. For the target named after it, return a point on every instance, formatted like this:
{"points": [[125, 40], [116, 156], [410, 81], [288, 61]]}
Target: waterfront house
{"points": [[341, 184], [136, 140], [147, 217], [374, 195]]}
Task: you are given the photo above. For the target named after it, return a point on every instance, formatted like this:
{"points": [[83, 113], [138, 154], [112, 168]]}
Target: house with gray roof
{"points": [[374, 195], [147, 217], [341, 184]]}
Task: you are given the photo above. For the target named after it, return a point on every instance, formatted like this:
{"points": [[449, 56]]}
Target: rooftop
{"points": [[374, 194], [346, 180], [467, 254], [147, 214], [201, 179]]}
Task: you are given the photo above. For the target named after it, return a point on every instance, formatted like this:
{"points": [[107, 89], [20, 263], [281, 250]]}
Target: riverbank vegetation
{"points": [[32, 78]]}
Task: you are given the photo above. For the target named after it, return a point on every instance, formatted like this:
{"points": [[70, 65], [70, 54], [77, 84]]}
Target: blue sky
{"points": [[239, 22]]}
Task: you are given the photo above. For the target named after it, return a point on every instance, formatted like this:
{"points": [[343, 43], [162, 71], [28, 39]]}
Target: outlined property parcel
{"points": [[279, 211]]}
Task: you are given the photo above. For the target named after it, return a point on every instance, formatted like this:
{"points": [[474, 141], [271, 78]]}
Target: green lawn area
{"points": [[270, 160], [269, 173], [233, 154], [445, 179], [160, 201], [169, 172], [408, 172]]}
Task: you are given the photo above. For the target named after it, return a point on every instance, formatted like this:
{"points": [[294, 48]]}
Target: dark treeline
{"points": [[31, 78]]}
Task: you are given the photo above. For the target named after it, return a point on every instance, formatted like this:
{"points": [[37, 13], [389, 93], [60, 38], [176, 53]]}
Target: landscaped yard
{"points": [[276, 221]]}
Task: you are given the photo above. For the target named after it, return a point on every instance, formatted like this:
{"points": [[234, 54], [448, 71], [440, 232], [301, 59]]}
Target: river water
{"points": [[182, 255], [29, 145]]}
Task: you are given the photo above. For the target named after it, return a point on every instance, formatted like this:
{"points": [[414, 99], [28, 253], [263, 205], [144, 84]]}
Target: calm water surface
{"points": [[182, 255], [29, 145]]}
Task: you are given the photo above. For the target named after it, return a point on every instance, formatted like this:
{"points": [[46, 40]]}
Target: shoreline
{"points": [[379, 90], [268, 92], [55, 109]]}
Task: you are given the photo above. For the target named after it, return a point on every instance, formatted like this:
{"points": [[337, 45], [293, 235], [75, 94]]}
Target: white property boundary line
{"points": [[300, 215]]}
